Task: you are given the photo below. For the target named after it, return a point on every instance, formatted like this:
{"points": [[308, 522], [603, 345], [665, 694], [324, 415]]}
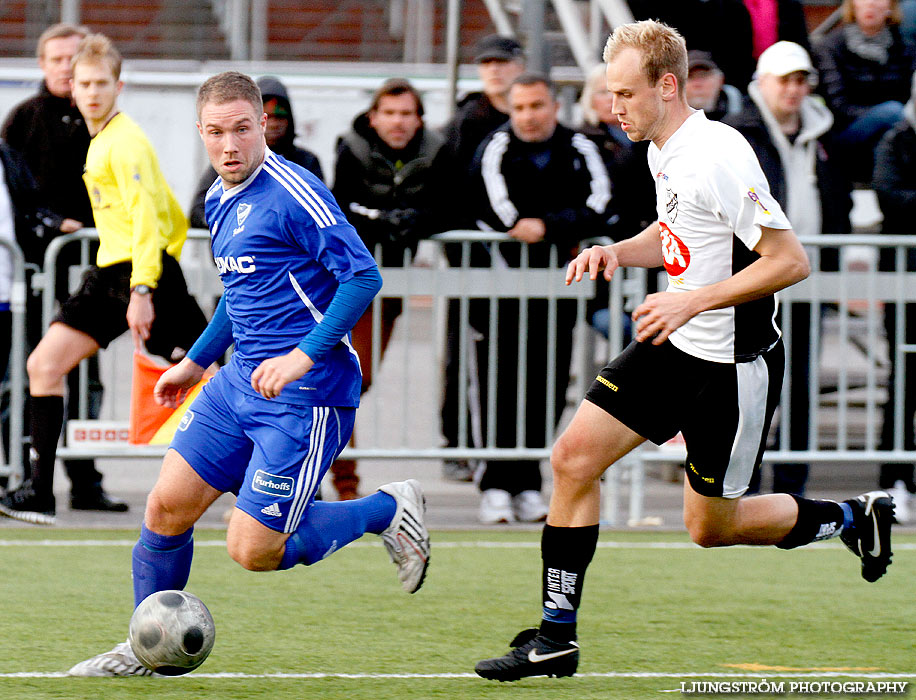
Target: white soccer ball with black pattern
{"points": [[172, 632]]}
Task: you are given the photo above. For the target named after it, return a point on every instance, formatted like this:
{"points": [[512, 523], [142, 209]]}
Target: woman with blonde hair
{"points": [[865, 68]]}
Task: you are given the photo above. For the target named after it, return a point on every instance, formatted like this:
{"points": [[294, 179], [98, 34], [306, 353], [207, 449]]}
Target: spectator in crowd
{"points": [[20, 222], [721, 27], [8, 234], [777, 20], [50, 133], [895, 184], [789, 131], [136, 282], [281, 134], [706, 88], [499, 60], [865, 69], [908, 21], [546, 186], [633, 202], [385, 181]]}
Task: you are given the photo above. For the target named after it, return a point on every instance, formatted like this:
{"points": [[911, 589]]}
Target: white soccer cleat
{"points": [[406, 538], [529, 507], [901, 497], [496, 507], [119, 662]]}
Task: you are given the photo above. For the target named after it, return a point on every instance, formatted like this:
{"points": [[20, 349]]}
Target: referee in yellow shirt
{"points": [[136, 282]]}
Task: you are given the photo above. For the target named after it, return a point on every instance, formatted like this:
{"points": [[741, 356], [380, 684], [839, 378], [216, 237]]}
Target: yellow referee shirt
{"points": [[135, 212]]}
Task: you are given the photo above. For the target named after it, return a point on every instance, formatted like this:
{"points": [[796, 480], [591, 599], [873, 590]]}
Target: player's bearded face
{"points": [[637, 104], [233, 134]]}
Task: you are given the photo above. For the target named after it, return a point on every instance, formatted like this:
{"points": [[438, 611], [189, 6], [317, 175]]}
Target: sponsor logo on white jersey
{"points": [[675, 253]]}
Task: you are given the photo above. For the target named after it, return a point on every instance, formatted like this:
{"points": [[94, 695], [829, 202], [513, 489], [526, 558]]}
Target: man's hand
{"points": [[661, 314], [273, 374], [140, 317], [594, 259], [528, 230], [173, 385], [70, 225]]}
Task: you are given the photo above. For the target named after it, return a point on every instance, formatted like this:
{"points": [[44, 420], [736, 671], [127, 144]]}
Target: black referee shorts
{"points": [[99, 307], [722, 409]]}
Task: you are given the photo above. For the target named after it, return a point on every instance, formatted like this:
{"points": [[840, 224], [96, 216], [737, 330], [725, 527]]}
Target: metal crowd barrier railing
{"points": [[406, 283], [852, 299]]}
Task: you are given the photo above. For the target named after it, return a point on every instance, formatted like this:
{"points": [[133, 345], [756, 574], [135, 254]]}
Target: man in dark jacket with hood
{"points": [[387, 180], [280, 134]]}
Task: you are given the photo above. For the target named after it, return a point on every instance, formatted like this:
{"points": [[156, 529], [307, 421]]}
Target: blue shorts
{"points": [[271, 455]]}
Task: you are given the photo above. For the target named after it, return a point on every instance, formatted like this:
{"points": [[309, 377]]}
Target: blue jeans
{"points": [[870, 126]]}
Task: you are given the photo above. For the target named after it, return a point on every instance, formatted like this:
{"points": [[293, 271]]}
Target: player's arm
{"points": [[350, 301], [642, 250], [782, 263], [172, 386]]}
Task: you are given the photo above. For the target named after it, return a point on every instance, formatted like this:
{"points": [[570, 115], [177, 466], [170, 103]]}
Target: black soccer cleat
{"points": [[869, 538], [533, 654], [25, 505]]}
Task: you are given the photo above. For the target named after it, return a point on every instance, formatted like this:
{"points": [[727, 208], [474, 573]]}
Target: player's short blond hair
{"points": [[663, 49], [97, 48], [228, 87], [62, 30]]}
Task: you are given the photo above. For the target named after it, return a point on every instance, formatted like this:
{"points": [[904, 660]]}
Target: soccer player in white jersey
{"points": [[707, 359], [270, 423]]}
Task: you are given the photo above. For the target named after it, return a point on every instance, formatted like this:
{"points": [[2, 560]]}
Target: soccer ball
{"points": [[172, 632]]}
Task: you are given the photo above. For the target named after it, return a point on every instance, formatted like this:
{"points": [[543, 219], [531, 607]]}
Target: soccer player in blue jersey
{"points": [[270, 423]]}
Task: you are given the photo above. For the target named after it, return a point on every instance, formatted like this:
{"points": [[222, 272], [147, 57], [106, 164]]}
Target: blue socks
{"points": [[327, 527], [161, 562]]}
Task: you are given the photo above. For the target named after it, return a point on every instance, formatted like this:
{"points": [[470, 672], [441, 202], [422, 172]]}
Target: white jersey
{"points": [[712, 198]]}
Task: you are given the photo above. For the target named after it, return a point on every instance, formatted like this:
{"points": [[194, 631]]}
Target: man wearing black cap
{"points": [[500, 59], [706, 88]]}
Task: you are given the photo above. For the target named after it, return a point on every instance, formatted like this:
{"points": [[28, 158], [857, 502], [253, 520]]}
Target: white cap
{"points": [[782, 58]]}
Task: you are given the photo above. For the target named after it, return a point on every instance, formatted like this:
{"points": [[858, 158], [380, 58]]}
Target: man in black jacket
{"points": [[387, 180], [21, 222], [546, 186], [789, 131], [50, 133], [499, 59]]}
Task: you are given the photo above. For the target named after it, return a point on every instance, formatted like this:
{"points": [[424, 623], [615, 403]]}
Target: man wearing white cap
{"points": [[788, 128]]}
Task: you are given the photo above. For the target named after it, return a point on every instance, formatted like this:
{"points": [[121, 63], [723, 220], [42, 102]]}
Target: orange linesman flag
{"points": [[150, 423]]}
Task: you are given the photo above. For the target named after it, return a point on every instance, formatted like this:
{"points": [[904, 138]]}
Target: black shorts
{"points": [[723, 410], [99, 307]]}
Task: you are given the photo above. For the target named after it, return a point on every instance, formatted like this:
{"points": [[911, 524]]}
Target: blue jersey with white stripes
{"points": [[282, 246]]}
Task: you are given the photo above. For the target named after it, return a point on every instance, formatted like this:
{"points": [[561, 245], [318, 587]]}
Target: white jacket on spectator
{"points": [[798, 160]]}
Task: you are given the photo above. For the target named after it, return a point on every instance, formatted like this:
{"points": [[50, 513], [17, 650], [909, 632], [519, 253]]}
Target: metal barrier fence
{"points": [[399, 418]]}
